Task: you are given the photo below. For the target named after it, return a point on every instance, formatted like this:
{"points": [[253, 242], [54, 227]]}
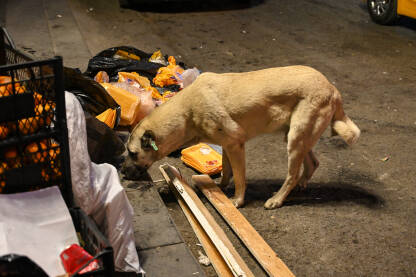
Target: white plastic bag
{"points": [[97, 190]]}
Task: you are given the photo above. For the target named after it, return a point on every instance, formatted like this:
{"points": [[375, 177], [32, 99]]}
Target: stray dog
{"points": [[229, 109]]}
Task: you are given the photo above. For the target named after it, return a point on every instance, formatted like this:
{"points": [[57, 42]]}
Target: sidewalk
{"points": [[45, 28]]}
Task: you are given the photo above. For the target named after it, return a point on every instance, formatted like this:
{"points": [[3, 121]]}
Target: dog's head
{"points": [[142, 147]]}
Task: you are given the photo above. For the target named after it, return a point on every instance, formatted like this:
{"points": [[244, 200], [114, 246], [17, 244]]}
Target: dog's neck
{"points": [[173, 126]]}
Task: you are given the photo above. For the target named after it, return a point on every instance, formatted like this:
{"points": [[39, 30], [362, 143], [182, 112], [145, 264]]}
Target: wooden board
{"points": [[214, 256], [253, 241], [211, 227]]}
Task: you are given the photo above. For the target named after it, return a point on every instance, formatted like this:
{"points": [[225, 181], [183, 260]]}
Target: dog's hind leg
{"points": [[296, 155], [236, 155], [310, 164], [226, 170], [306, 126]]}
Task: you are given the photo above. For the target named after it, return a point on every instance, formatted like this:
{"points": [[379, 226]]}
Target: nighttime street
{"points": [[356, 217]]}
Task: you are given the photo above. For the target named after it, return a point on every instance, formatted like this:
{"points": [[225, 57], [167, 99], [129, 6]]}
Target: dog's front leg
{"points": [[236, 157], [226, 170]]}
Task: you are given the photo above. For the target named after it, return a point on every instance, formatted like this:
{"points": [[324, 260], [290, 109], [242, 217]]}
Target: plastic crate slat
{"points": [[18, 178], [16, 107]]}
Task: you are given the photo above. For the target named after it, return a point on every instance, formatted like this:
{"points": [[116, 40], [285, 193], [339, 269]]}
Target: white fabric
{"points": [[97, 190], [36, 224]]}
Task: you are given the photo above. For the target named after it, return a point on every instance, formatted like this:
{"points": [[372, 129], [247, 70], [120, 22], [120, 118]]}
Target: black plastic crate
{"points": [[33, 132], [34, 149]]}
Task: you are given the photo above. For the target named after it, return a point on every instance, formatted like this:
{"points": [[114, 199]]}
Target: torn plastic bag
{"points": [[14, 265], [93, 97], [112, 62]]}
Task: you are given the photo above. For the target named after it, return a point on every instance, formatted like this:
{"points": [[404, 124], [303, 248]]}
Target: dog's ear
{"points": [[148, 141]]}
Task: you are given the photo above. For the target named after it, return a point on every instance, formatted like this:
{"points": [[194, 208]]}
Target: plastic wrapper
{"points": [[166, 75], [133, 79], [126, 55], [203, 158], [157, 57], [108, 117], [75, 257], [102, 77], [187, 77]]}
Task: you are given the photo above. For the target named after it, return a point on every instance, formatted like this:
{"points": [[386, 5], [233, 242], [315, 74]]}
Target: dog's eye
{"points": [[145, 143]]}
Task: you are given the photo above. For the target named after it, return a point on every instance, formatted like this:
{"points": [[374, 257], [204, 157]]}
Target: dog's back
{"points": [[259, 101]]}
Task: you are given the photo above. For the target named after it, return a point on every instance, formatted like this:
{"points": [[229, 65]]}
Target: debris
{"points": [[191, 201], [245, 231], [59, 15], [128, 102], [383, 176], [385, 159], [202, 158], [108, 117], [157, 57], [187, 77], [166, 75], [202, 259], [102, 77], [91, 9], [244, 31]]}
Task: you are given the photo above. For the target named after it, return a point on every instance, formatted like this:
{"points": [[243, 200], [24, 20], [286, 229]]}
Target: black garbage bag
{"points": [[13, 265], [104, 145], [93, 97], [105, 61]]}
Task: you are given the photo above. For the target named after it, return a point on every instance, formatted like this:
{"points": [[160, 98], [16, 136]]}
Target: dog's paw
{"points": [[272, 204], [303, 183], [237, 202]]}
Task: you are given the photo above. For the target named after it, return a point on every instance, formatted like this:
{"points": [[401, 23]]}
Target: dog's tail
{"points": [[342, 124]]}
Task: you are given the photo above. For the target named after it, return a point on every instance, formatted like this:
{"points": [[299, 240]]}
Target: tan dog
{"points": [[229, 109]]}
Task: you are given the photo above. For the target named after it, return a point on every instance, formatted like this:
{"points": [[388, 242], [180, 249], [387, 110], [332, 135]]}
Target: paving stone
{"points": [[172, 260], [28, 27], [152, 223], [66, 36]]}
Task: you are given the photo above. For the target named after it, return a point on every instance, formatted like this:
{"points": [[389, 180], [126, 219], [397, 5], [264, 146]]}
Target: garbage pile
{"points": [[140, 82], [137, 81]]}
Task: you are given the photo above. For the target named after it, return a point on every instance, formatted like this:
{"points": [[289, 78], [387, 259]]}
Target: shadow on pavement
{"points": [[184, 6], [328, 193]]}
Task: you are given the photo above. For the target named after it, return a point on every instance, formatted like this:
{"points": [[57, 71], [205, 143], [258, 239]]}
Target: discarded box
{"points": [[203, 158]]}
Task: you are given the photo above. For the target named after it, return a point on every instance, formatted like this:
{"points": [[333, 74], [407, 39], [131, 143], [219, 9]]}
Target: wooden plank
{"points": [[217, 261], [211, 227], [246, 232]]}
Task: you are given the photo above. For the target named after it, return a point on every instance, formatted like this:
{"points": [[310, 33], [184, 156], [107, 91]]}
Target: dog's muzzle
{"points": [[129, 168]]}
